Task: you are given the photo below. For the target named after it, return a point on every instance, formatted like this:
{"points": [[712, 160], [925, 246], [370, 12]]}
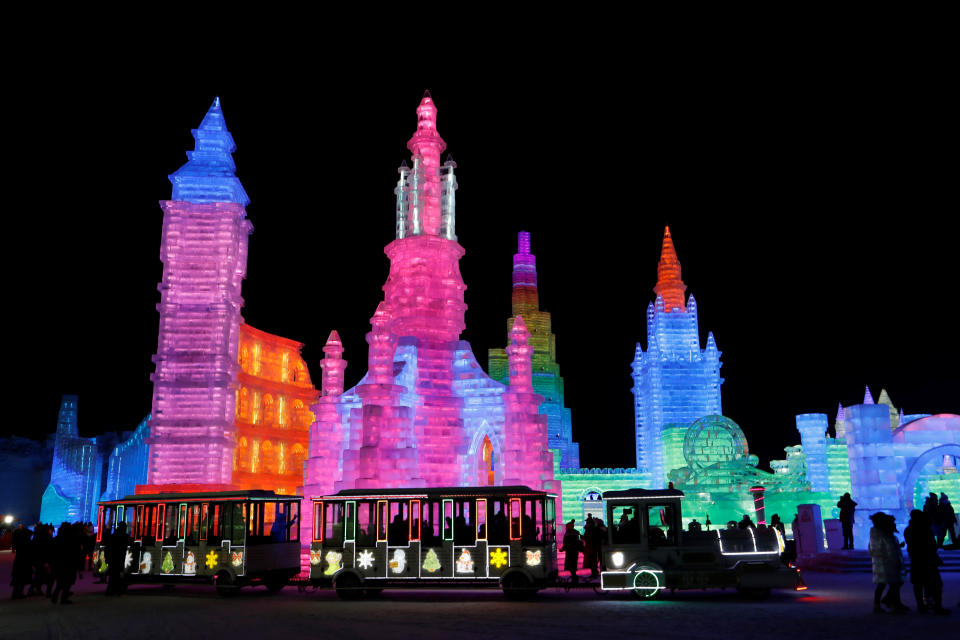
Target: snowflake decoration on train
{"points": [[498, 557], [365, 559], [212, 560]]}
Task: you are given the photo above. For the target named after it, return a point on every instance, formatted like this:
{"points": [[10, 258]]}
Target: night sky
{"points": [[813, 207]]}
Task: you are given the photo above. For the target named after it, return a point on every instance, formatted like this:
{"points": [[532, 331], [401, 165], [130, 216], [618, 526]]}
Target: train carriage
{"points": [[368, 540], [230, 539], [647, 550]]}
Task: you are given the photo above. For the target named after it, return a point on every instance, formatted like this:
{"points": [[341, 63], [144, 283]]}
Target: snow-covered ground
{"points": [[835, 606]]}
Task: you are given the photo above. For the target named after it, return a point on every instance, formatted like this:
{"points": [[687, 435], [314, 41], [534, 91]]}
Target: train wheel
{"points": [[516, 586], [646, 585], [226, 585], [348, 586]]}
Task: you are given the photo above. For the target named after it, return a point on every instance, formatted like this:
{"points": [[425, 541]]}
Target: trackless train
{"points": [[364, 541]]}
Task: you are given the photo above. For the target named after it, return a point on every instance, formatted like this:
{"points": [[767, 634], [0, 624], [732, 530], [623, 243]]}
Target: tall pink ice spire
{"points": [[322, 469], [426, 191], [527, 458]]}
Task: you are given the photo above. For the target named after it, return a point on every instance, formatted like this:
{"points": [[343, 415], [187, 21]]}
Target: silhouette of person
{"points": [[847, 507]]}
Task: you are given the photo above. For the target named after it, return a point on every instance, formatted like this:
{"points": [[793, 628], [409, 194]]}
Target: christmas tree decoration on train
{"points": [[167, 565], [430, 562]]}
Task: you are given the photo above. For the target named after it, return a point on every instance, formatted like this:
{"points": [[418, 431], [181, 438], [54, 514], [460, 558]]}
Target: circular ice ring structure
{"points": [[713, 439], [927, 456]]}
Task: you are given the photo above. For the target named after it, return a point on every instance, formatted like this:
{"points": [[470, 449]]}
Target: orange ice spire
{"points": [[669, 283]]}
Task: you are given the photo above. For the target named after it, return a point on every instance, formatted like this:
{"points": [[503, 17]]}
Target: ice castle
{"points": [[425, 413], [234, 406]]}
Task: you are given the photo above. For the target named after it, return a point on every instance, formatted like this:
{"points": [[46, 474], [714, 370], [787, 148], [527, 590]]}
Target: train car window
{"points": [[170, 524], [414, 519], [254, 522], [293, 521], [549, 525], [237, 523], [350, 522], [398, 533], [381, 520], [161, 521], [430, 529], [516, 523], [192, 536], [660, 520], [481, 519], [215, 524], [204, 520], [278, 521], [448, 520], [366, 523], [138, 523], [148, 527], [333, 524], [499, 526], [626, 524], [182, 521], [464, 522], [103, 522], [318, 521], [532, 520]]}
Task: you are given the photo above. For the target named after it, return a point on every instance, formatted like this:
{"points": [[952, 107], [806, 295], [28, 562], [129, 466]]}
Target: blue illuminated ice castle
{"points": [[674, 381]]}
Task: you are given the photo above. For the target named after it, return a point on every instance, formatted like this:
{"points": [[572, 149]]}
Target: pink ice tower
{"points": [[204, 254], [425, 413]]}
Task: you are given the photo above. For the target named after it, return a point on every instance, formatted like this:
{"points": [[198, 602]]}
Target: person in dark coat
{"points": [[22, 572], [924, 574], [589, 546], [887, 563], [66, 548], [116, 559], [847, 507], [42, 552], [572, 546], [947, 520]]}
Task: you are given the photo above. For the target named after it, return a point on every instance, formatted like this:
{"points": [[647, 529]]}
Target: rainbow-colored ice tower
{"points": [[546, 372], [204, 255]]}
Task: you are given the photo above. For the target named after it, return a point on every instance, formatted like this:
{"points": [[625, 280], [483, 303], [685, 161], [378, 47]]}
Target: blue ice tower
{"points": [[813, 438], [674, 380], [127, 466], [75, 475]]}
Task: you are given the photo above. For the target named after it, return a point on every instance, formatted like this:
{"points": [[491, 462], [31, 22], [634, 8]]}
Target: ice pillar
{"points": [[813, 430]]}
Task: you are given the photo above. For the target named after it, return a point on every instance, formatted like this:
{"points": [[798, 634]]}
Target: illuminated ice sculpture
{"points": [[425, 413], [674, 380], [204, 255], [546, 372]]}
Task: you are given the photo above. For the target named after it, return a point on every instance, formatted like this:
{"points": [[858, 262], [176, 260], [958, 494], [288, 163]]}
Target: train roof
{"points": [[435, 492], [642, 494], [239, 494]]}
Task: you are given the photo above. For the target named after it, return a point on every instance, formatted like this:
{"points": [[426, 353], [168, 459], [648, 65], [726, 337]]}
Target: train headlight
{"points": [[617, 558]]}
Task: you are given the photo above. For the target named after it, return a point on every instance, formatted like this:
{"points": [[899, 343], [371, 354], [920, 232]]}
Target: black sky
{"points": [[812, 203]]}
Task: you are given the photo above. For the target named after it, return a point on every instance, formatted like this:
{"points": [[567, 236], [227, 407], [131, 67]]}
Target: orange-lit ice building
{"points": [[273, 414]]}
